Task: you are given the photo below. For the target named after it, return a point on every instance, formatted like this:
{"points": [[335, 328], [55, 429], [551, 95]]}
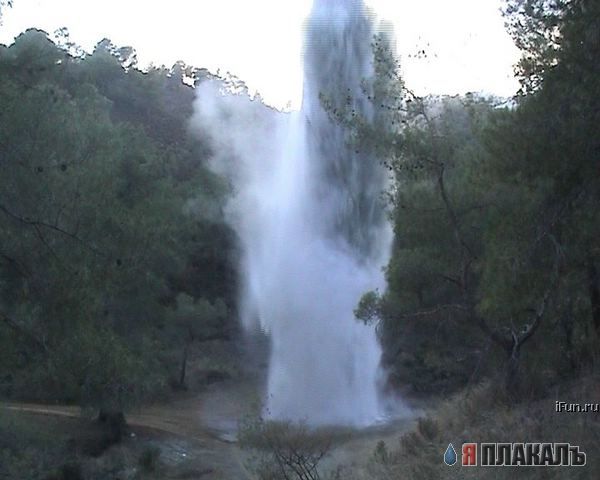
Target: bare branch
{"points": [[37, 223], [435, 310]]}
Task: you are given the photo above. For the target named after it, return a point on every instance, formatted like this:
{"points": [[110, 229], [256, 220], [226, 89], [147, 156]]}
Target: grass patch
{"points": [[36, 446], [483, 414]]}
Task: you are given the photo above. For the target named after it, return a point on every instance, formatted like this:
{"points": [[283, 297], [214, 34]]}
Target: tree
{"points": [[98, 225], [535, 28], [197, 321], [61, 211], [479, 252]]}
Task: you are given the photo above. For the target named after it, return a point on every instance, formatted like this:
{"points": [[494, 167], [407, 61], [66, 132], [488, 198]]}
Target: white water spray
{"points": [[309, 215]]}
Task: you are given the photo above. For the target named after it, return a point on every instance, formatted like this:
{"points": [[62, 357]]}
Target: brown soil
{"points": [[195, 433]]}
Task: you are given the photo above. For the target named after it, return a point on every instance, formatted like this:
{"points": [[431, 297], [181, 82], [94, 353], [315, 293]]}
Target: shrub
{"points": [[285, 449]]}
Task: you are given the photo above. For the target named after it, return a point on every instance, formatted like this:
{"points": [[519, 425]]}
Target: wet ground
{"points": [[196, 433]]}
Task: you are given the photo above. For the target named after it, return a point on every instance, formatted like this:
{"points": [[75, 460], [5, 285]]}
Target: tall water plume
{"points": [[309, 215]]}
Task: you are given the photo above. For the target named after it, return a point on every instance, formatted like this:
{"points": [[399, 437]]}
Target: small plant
{"points": [[428, 427], [381, 453], [285, 450]]}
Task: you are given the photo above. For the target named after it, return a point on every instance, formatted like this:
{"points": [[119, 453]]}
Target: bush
{"points": [[32, 448], [285, 449]]}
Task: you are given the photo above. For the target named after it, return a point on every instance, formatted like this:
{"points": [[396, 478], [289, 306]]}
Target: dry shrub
{"points": [[482, 414], [285, 450]]}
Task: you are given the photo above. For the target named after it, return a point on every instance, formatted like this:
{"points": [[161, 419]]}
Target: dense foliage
{"points": [[496, 213], [112, 241]]}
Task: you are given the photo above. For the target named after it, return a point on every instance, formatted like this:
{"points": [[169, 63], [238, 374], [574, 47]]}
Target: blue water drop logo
{"points": [[450, 455]]}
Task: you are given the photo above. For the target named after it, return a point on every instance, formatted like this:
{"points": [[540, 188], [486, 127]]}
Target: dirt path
{"points": [[175, 422], [197, 432]]}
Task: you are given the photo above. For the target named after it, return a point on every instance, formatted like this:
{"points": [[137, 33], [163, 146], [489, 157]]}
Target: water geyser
{"points": [[311, 221]]}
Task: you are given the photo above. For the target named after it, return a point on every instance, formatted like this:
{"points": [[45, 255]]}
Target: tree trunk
{"points": [[183, 368], [511, 380], [115, 423]]}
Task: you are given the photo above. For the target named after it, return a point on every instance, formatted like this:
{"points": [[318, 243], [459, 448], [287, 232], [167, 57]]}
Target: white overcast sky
{"points": [[260, 41]]}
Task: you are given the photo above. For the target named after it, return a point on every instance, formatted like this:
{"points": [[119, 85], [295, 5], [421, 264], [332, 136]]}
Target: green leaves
{"points": [[492, 207], [368, 309], [95, 222]]}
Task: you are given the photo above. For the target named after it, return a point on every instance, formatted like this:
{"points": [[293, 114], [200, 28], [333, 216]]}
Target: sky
{"points": [[260, 41]]}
